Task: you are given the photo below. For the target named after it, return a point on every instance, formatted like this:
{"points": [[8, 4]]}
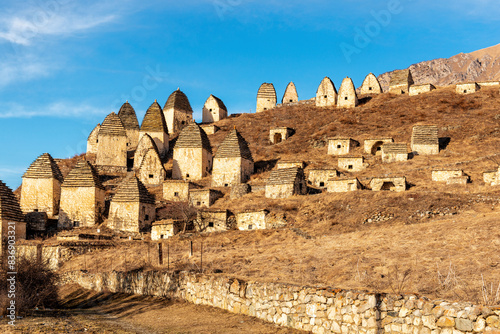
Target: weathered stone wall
{"points": [[352, 164], [80, 207], [290, 95], [340, 146], [176, 120], [210, 129], [203, 198], [92, 140], [425, 149], [394, 157], [326, 95], [374, 146], [191, 163], [112, 151], [289, 164], [130, 217], [489, 84], [319, 177], [256, 220], [211, 221], [490, 177], [230, 171], [277, 135], [151, 171], [176, 190], [164, 230], [444, 175], [419, 89], [343, 185], [132, 139], [161, 140], [399, 89], [370, 85], [347, 97], [299, 187], [388, 183], [467, 88], [212, 112], [41, 195], [320, 310]]}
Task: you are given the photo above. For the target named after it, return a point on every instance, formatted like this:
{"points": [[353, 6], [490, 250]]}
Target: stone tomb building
{"points": [[450, 176], [266, 97], [370, 85], [176, 190], [373, 146], [277, 135], [177, 112], [425, 140], [326, 95], [41, 187], [351, 163], [112, 145], [319, 177], [347, 97], [290, 95], [145, 144], [214, 110], [82, 198], [289, 164], [204, 198], [192, 154], [154, 125], [342, 185], [211, 220], [252, 220], [286, 182], [92, 140], [132, 208], [400, 82], [151, 172], [10, 215], [492, 177], [131, 125], [467, 88], [233, 162], [388, 183], [341, 146], [419, 89], [209, 129], [394, 152], [165, 229]]}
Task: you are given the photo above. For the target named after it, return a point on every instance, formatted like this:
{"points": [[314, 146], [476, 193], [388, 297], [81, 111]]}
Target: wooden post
{"points": [[160, 254], [168, 257], [191, 249], [201, 262]]}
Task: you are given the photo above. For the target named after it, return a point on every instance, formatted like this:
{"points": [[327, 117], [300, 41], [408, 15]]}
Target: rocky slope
{"points": [[481, 65]]}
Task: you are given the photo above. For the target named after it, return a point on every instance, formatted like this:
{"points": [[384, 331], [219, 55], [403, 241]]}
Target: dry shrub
{"points": [[35, 285]]}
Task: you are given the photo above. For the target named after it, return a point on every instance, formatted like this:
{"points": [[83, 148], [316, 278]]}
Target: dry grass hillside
{"points": [[435, 239]]}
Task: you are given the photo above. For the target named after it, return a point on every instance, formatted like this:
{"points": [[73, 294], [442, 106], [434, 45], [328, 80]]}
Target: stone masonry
{"points": [[419, 89], [370, 85], [154, 125], [394, 152], [341, 185], [388, 184], [424, 139], [341, 146], [400, 82], [177, 111], [467, 88], [326, 95], [214, 110], [373, 146], [347, 97], [266, 97], [277, 135], [290, 95]]}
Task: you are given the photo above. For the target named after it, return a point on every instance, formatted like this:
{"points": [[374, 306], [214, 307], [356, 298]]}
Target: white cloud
{"points": [[22, 69], [60, 18], [61, 109]]}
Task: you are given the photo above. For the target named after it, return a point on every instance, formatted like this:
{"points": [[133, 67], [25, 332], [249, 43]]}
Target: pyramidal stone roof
{"points": [[425, 135], [44, 167], [83, 175], [395, 148], [326, 86], [178, 101], [401, 77], [192, 136], [284, 176], [133, 190], [267, 91], [9, 205], [128, 117], [154, 120], [112, 126], [94, 133], [234, 146], [219, 102]]}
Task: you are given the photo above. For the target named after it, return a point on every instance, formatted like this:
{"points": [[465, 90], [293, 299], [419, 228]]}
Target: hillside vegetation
{"points": [[435, 239]]}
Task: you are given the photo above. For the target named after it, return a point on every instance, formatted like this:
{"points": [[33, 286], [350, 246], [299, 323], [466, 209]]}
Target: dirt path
{"points": [[95, 313]]}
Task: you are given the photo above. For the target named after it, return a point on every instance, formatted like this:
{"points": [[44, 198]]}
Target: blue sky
{"points": [[65, 64]]}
